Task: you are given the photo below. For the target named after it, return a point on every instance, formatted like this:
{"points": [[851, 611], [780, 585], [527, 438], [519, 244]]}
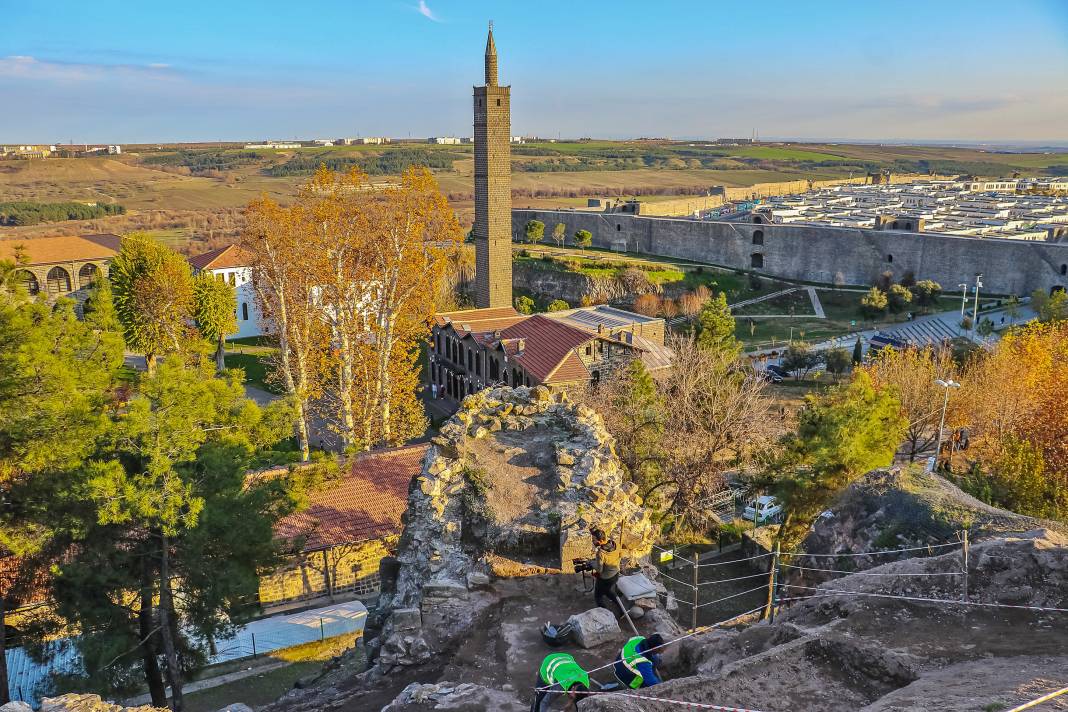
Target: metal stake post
{"points": [[253, 645], [772, 581], [964, 556], [322, 629], [695, 588]]}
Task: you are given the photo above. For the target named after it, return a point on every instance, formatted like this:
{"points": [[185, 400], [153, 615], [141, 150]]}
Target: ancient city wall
{"points": [[824, 254]]}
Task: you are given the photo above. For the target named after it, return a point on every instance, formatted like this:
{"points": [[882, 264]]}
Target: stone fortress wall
{"points": [[824, 254]]}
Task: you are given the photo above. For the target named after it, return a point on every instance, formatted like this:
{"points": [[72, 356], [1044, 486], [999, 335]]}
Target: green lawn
{"points": [[255, 367], [255, 690], [793, 303]]}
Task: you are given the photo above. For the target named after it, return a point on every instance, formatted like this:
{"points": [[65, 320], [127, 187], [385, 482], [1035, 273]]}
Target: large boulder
{"points": [[16, 707], [595, 627]]}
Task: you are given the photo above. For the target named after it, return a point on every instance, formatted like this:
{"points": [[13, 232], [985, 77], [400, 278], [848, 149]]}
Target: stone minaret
{"points": [[493, 189]]}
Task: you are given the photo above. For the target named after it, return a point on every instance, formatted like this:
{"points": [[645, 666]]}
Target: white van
{"points": [[762, 509]]}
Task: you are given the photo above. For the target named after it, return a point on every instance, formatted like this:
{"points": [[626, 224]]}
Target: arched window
{"points": [[894, 226], [88, 274], [58, 281], [756, 260], [29, 280], [244, 311], [889, 258], [757, 220], [1064, 270], [758, 237]]}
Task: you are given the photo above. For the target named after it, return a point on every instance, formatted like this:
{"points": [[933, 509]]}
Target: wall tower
{"points": [[493, 188]]}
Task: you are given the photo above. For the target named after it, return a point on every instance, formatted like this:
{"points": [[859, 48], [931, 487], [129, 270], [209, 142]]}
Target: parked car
{"points": [[770, 376], [777, 370], [762, 509]]}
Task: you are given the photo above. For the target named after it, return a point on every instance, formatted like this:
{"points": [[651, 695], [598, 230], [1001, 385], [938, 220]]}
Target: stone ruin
{"points": [[518, 473], [511, 486]]}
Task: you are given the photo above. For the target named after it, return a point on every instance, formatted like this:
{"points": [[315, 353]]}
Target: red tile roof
{"points": [[546, 344], [366, 504], [222, 258], [49, 250], [479, 320]]}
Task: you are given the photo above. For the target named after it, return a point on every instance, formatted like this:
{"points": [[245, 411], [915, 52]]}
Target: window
{"points": [[589, 350], [756, 260], [757, 220], [890, 258], [758, 237], [619, 228], [29, 280], [894, 226], [58, 281], [233, 279], [1064, 270], [498, 102], [244, 311], [478, 365], [88, 274], [470, 359]]}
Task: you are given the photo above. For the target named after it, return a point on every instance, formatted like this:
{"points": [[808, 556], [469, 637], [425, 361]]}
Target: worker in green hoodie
{"points": [[558, 676]]}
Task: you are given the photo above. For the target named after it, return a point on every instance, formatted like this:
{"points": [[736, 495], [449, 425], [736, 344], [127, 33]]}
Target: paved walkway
{"points": [[258, 637]]}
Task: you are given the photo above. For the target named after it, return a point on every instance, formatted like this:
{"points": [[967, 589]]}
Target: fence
{"points": [[28, 679], [702, 593]]}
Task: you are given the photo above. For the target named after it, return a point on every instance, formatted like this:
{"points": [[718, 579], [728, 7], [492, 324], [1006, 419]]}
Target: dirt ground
{"points": [[503, 649]]}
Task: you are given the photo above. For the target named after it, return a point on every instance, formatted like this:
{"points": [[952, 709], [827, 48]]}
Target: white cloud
{"points": [[31, 68], [426, 12]]}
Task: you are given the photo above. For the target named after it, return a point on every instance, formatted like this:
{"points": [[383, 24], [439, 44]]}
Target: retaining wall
{"points": [[825, 254]]}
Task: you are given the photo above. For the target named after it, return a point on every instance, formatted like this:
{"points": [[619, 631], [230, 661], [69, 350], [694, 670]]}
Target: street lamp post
{"points": [[963, 298], [947, 384], [975, 312]]}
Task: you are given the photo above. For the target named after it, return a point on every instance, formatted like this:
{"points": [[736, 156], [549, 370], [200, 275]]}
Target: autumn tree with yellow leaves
{"points": [[353, 271]]}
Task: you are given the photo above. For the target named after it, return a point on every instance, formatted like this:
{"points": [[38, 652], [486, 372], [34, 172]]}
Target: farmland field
{"points": [[193, 196]]}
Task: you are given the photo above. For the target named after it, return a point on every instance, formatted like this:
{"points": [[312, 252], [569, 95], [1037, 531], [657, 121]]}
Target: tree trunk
{"points": [[166, 616], [302, 431], [220, 354], [4, 698], [157, 691], [150, 363], [328, 575]]}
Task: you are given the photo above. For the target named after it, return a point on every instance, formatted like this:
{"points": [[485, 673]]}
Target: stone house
{"points": [[350, 524], [62, 266], [478, 348], [233, 265]]}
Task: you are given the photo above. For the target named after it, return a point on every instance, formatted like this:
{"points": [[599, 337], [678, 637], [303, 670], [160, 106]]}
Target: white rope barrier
{"points": [[865, 573], [835, 592]]}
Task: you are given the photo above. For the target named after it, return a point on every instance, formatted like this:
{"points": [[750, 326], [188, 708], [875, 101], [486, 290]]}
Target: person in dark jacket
{"points": [[606, 572], [636, 663]]}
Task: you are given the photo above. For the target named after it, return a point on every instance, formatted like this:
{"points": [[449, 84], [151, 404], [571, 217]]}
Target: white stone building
{"points": [[231, 264]]}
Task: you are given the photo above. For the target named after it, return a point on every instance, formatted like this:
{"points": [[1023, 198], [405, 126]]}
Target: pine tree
{"points": [[169, 519], [715, 325], [55, 378]]}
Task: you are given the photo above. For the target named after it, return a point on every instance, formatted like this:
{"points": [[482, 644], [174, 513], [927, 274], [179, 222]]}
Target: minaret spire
{"points": [[491, 59]]}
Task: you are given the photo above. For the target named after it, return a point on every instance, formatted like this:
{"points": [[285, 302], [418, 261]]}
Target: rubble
{"points": [[451, 696]]}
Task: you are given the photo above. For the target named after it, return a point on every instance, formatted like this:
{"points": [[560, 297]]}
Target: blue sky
{"points": [[232, 70]]}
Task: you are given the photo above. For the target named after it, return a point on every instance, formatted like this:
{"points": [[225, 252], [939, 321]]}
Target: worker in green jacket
{"points": [[558, 676]]}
